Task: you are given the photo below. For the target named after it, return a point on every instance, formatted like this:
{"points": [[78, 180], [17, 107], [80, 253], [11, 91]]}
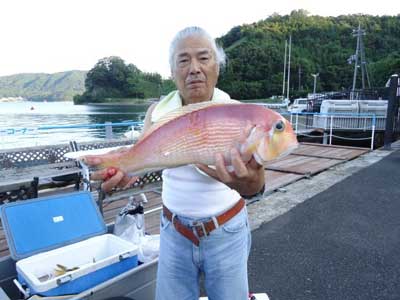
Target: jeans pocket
{"points": [[236, 224], [164, 222]]}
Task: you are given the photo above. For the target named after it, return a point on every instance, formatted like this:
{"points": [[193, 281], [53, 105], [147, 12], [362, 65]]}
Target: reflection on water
{"points": [[31, 115]]}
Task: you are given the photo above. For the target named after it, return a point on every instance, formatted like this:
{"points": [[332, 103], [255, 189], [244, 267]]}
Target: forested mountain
{"points": [[319, 45], [38, 86]]}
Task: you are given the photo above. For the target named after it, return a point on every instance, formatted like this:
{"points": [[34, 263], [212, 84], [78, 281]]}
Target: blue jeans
{"points": [[221, 256]]}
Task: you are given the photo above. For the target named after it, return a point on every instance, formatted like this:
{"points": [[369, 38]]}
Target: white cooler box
{"points": [[61, 246]]}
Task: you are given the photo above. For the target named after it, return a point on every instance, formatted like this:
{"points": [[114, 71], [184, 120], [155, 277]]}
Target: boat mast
{"points": [[288, 77], [284, 73]]}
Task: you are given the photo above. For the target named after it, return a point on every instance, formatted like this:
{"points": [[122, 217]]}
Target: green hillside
{"points": [[319, 45], [38, 87]]}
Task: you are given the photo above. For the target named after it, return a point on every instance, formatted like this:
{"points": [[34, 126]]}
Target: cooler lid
{"points": [[46, 223]]}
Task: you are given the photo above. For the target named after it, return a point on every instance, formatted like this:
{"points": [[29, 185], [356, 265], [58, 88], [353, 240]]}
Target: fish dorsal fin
{"points": [[176, 113]]}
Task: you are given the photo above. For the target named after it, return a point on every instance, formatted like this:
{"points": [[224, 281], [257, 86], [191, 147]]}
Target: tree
{"points": [[112, 78]]}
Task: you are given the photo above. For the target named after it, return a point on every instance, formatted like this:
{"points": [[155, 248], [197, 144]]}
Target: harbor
{"points": [[126, 174], [50, 170]]}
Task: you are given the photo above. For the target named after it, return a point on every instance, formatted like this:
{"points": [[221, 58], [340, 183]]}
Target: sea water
{"points": [[21, 123]]}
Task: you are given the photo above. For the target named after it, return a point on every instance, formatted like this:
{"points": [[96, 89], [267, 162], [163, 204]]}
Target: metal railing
{"points": [[304, 123], [13, 137], [33, 130]]}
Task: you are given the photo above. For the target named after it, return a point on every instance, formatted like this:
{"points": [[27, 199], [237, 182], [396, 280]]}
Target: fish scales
{"points": [[204, 140], [187, 134], [211, 135], [213, 138]]}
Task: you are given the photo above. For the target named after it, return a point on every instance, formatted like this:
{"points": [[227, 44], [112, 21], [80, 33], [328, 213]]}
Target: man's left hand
{"points": [[246, 177]]}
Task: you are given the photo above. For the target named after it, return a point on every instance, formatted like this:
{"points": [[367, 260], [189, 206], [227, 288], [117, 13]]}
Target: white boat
{"points": [[280, 106], [299, 105], [134, 132]]}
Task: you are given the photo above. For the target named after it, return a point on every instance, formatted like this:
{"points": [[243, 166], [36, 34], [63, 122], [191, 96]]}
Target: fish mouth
{"points": [[282, 155]]}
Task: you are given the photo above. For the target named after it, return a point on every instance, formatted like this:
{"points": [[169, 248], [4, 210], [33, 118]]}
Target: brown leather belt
{"points": [[203, 228]]}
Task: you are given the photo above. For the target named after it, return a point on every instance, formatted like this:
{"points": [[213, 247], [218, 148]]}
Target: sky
{"points": [[49, 36]]}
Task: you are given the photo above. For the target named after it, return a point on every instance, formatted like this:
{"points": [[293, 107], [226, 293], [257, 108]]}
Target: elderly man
{"points": [[204, 225]]}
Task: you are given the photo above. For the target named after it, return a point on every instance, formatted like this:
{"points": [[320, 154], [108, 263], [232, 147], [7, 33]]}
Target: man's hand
{"points": [[247, 176], [112, 177]]}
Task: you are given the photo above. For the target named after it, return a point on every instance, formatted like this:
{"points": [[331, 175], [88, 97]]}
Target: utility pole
{"points": [[359, 55], [288, 77], [315, 82]]}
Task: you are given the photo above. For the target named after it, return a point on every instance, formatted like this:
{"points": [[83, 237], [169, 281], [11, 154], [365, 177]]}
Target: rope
{"points": [[307, 135], [336, 136], [353, 139]]}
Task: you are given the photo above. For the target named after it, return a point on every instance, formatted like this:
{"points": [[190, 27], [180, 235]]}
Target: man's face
{"points": [[196, 70]]}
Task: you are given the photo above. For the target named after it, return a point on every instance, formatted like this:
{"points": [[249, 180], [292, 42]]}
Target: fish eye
{"points": [[280, 126]]}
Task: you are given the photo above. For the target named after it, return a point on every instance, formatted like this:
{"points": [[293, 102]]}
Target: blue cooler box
{"points": [[61, 246]]}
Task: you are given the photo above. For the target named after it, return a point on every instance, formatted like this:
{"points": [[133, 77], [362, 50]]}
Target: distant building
{"points": [[12, 99]]}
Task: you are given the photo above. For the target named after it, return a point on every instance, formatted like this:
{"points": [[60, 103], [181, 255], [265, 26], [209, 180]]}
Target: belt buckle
{"points": [[196, 225]]}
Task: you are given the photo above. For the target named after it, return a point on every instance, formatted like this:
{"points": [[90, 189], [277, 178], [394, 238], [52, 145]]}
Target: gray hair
{"points": [[196, 31]]}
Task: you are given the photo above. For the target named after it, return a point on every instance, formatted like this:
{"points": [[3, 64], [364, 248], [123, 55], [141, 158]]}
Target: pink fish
{"points": [[195, 133]]}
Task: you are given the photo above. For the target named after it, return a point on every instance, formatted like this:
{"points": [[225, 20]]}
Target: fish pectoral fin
{"points": [[259, 160], [257, 134], [248, 148]]}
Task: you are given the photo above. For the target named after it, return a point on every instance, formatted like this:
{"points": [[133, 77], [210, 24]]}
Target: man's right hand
{"points": [[112, 177]]}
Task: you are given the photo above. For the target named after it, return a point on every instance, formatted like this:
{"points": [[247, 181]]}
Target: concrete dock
{"points": [[333, 236]]}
